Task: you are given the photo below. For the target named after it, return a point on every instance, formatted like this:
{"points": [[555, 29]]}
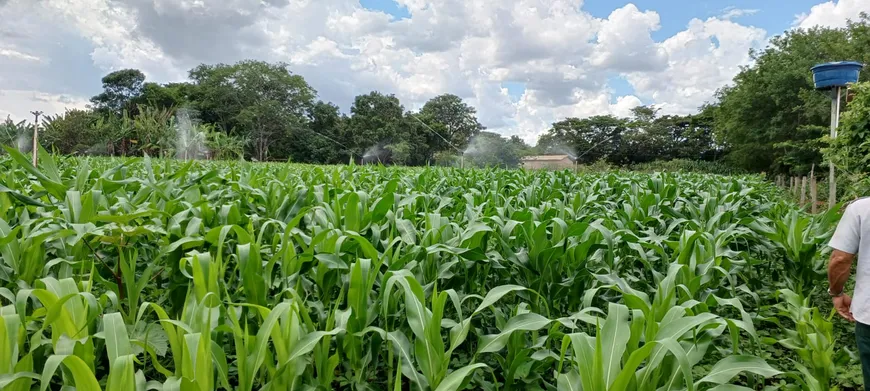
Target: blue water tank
{"points": [[835, 74]]}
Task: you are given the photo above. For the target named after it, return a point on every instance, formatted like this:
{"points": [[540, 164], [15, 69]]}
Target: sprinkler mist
{"points": [[189, 141], [461, 152]]}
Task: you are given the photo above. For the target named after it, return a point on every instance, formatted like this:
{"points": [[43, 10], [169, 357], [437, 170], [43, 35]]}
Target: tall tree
{"points": [[376, 121], [262, 102], [453, 119], [120, 90]]}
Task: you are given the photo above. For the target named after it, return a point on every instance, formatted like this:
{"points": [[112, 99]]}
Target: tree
{"points": [[120, 89], [520, 146], [262, 102], [771, 118], [647, 137], [72, 132], [590, 139], [154, 131], [323, 140], [651, 137], [165, 96], [376, 120], [493, 150], [453, 119], [850, 152]]}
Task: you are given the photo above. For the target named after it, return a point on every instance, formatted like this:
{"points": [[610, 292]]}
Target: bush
{"points": [[685, 165]]}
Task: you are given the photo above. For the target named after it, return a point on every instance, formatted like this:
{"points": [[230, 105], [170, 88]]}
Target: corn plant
{"points": [[151, 273]]}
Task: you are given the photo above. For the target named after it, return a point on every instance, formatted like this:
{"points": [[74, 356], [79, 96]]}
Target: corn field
{"points": [[146, 274]]}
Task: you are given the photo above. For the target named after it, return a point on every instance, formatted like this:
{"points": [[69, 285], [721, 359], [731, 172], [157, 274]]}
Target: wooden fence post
{"points": [[814, 190], [803, 191]]}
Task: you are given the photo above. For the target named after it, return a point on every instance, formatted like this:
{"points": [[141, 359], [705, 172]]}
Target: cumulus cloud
{"points": [[53, 52], [17, 104], [625, 44], [701, 59], [833, 13]]}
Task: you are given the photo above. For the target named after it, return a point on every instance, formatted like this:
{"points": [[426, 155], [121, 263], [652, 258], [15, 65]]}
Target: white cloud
{"points": [[833, 13], [16, 55], [701, 59], [625, 44], [17, 104], [734, 12]]}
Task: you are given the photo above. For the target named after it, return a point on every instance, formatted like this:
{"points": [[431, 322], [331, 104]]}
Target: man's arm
{"points": [[839, 269], [845, 243]]}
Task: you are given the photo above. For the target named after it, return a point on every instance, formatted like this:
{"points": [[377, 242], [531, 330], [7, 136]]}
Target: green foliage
{"points": [[850, 150], [154, 131], [11, 132], [810, 336], [70, 133], [685, 165], [264, 102], [222, 146], [200, 275], [453, 119], [489, 149], [771, 118], [120, 90], [644, 138]]}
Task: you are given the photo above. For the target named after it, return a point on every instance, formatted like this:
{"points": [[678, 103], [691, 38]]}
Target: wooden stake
{"points": [[795, 187], [804, 191], [814, 194]]}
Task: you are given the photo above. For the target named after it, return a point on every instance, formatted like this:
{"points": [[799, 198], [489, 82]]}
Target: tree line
{"points": [[256, 110], [770, 118], [644, 137], [263, 111]]}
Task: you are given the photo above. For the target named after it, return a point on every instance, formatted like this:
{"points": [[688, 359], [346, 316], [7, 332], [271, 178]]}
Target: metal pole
{"points": [[835, 122], [35, 136]]}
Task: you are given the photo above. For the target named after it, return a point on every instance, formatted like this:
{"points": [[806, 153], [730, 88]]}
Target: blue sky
{"points": [[523, 64]]}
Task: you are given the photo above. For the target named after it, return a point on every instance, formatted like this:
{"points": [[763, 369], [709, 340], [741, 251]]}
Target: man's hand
{"points": [[843, 304]]}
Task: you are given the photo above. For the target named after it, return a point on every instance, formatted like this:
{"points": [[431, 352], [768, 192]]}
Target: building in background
{"points": [[547, 162]]}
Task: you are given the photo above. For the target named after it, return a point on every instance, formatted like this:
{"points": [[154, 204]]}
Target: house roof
{"points": [[549, 158]]}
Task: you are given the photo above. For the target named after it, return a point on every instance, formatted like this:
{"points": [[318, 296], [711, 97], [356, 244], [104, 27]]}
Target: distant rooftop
{"points": [[546, 158]]}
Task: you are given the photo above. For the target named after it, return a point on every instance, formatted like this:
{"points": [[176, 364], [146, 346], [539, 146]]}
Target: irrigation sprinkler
{"points": [[35, 150], [835, 76]]}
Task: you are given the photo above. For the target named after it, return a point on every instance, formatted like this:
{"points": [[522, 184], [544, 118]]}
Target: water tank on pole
{"points": [[835, 76]]}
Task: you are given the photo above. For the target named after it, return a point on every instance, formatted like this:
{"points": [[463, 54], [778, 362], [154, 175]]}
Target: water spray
{"points": [[461, 152]]}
